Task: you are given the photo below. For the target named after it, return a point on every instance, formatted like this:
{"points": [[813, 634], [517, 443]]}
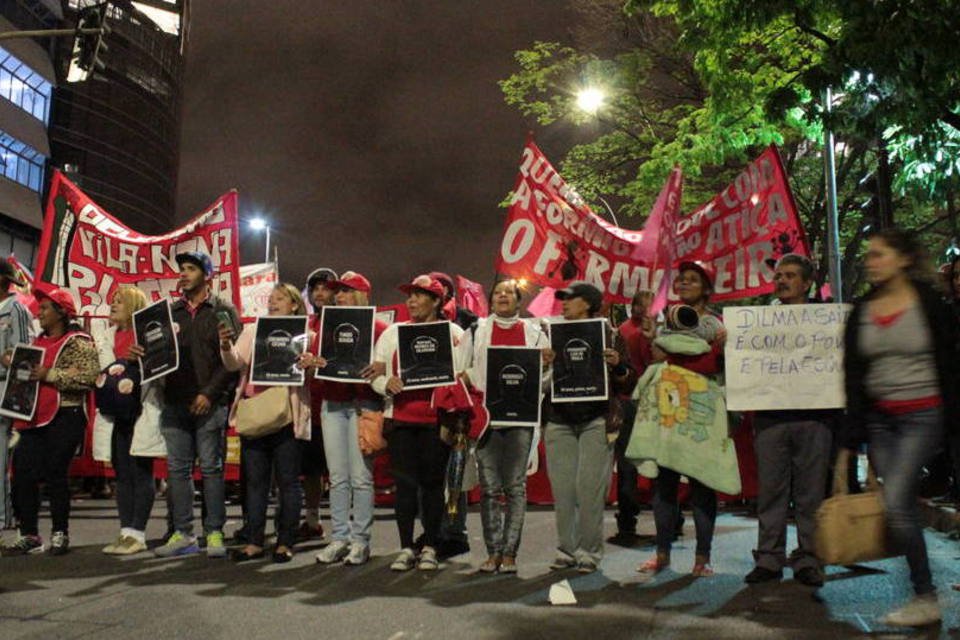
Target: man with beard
{"points": [[313, 460], [196, 400]]}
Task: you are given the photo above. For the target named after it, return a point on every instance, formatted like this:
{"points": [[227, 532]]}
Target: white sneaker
{"points": [[335, 552], [404, 561], [359, 553], [919, 612]]}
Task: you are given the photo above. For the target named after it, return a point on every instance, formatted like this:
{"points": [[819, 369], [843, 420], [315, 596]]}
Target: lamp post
{"points": [[259, 224]]}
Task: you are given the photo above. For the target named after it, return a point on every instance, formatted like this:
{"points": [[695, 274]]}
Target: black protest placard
{"points": [[425, 354], [513, 379], [346, 342], [278, 342], [20, 392], [579, 371], [153, 328]]}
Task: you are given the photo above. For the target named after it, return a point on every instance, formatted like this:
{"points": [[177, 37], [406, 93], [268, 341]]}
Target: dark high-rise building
{"points": [[27, 81], [117, 133]]}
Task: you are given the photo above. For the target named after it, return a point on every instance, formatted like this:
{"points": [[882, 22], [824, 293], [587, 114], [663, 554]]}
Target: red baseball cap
{"points": [[350, 280], [706, 271], [426, 284], [61, 297]]}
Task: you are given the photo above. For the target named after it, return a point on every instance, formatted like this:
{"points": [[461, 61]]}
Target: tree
{"points": [[709, 83]]}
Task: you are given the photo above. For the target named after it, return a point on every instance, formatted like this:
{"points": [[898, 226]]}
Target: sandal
{"points": [[655, 565], [701, 567], [282, 554], [509, 565], [245, 554], [491, 565]]}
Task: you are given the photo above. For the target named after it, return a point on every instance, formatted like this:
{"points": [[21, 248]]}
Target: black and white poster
{"points": [[20, 393], [513, 379], [153, 328], [346, 342], [579, 372], [278, 342], [425, 353]]}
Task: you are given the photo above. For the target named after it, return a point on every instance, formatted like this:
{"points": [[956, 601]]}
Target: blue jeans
{"points": [[900, 445], [502, 455], [189, 437], [351, 473]]}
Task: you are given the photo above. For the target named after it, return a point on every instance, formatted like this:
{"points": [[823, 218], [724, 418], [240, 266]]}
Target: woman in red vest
{"points": [[67, 373]]}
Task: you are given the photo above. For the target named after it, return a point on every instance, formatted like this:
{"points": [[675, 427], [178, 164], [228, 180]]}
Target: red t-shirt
{"points": [[515, 336], [638, 345]]}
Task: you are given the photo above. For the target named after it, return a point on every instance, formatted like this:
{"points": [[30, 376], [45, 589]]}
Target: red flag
{"points": [[470, 296]]}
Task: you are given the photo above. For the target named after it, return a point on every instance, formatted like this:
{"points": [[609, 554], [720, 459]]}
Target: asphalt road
{"points": [[87, 594]]}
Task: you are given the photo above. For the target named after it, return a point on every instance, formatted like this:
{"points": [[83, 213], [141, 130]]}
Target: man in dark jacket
{"points": [[196, 400], [793, 456]]}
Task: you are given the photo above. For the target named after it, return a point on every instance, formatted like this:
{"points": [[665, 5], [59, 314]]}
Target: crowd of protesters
{"points": [[901, 354]]}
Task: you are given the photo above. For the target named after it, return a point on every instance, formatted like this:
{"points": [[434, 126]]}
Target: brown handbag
{"points": [[851, 528], [267, 412], [370, 432]]}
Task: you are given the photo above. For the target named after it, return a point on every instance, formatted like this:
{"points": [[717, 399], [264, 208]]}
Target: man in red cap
{"points": [[14, 329], [196, 400]]}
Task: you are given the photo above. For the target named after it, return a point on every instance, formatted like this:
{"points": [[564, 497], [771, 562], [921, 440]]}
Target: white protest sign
{"points": [[785, 356], [256, 283]]}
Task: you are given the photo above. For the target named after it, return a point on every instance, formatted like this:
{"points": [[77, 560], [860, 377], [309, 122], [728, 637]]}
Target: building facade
{"points": [[27, 82], [117, 134]]}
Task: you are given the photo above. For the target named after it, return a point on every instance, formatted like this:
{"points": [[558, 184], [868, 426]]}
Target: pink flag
{"points": [[470, 296], [658, 239], [545, 304], [25, 293]]}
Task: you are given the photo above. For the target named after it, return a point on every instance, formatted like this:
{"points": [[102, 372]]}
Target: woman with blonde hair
{"points": [[131, 415], [276, 454]]}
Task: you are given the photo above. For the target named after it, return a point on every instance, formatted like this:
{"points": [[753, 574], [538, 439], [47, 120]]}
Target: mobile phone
{"points": [[225, 318]]}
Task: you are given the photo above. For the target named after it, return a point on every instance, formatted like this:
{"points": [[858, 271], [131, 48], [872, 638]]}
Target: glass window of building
{"points": [[24, 87], [20, 162]]}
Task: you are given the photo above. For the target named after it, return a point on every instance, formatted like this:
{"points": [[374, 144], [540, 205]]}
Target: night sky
{"points": [[373, 135]]}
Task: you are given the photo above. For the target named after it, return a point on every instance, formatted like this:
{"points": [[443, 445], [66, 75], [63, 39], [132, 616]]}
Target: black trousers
{"points": [[277, 453], [44, 455], [628, 497], [419, 464], [135, 487]]}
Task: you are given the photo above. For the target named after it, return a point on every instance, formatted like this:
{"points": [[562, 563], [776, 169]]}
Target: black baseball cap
{"points": [[323, 274], [580, 289]]}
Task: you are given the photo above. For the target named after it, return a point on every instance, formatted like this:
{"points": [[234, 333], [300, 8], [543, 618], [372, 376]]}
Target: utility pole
{"points": [[833, 225]]}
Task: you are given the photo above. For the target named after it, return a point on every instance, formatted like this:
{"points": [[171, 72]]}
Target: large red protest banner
{"points": [[88, 251], [551, 236], [751, 221]]}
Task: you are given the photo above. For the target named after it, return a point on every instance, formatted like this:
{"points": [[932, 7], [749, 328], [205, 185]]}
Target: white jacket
{"points": [[474, 345], [384, 352], [147, 439]]}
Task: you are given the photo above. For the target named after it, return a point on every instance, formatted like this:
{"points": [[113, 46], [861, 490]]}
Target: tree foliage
{"points": [[708, 83]]}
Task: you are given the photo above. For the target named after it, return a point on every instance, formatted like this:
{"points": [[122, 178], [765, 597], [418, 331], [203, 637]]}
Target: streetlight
{"points": [[259, 224], [590, 100]]}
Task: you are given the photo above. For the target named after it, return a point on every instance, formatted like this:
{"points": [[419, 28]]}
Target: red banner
{"points": [[551, 236], [88, 251], [754, 219]]}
